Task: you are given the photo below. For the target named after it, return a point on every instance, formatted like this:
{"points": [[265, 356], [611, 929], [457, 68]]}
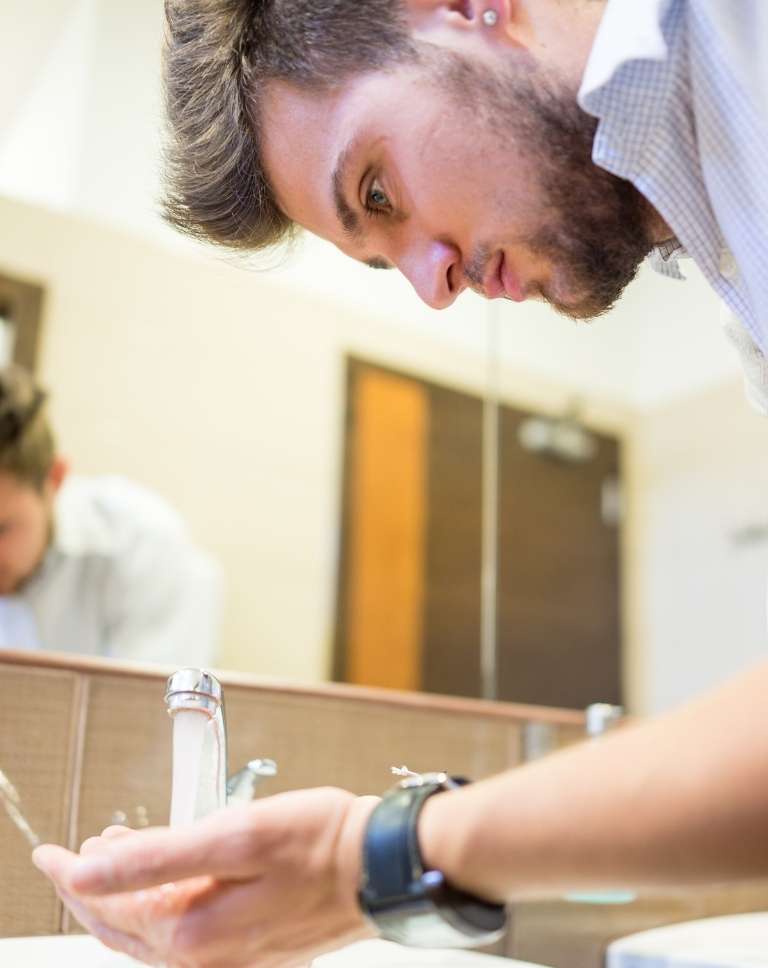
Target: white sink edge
{"points": [[83, 951]]}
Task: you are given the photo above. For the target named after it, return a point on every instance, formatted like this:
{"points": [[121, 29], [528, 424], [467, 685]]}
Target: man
{"points": [[93, 565], [541, 148]]}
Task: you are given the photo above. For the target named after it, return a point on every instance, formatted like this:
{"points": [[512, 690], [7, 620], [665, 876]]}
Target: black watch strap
{"points": [[408, 903]]}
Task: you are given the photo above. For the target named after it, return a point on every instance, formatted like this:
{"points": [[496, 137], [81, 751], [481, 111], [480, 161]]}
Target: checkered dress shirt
{"points": [[680, 88]]}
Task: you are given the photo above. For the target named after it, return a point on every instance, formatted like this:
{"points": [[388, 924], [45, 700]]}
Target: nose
{"points": [[435, 270]]}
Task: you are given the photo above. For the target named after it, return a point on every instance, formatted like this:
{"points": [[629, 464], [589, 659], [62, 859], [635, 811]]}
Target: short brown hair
{"points": [[27, 447], [218, 56]]}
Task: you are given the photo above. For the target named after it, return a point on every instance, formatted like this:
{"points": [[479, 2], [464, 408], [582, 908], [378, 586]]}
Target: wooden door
{"points": [[559, 628], [21, 307], [408, 613]]}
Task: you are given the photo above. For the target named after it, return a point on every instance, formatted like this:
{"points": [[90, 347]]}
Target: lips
{"points": [[511, 283], [493, 287], [500, 281]]}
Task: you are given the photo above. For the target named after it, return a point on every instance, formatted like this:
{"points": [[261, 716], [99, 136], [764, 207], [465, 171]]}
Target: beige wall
{"points": [[697, 546]]}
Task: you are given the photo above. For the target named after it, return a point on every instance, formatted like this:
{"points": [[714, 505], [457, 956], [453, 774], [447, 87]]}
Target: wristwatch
{"points": [[408, 903]]}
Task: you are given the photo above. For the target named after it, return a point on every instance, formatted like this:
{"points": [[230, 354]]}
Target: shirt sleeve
{"points": [[729, 75], [163, 603]]}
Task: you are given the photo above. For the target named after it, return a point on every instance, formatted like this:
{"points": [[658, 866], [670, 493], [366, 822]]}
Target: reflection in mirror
{"points": [[21, 317], [6, 336], [99, 564], [329, 442]]}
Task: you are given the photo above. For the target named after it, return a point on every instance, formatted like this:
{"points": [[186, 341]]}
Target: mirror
{"points": [[593, 493]]}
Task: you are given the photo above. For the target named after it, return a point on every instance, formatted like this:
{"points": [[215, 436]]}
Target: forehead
{"points": [[299, 139], [304, 135]]}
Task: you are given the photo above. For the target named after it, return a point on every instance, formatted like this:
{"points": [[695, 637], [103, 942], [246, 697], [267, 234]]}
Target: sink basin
{"points": [[736, 941], [81, 951]]}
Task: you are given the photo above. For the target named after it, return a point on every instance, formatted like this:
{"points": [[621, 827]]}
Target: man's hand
{"points": [[272, 883]]}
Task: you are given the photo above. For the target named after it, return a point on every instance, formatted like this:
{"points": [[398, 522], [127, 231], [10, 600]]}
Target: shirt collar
{"points": [[664, 257], [630, 30]]}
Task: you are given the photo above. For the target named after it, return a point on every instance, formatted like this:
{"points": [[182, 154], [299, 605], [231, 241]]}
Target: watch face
{"points": [[438, 918]]}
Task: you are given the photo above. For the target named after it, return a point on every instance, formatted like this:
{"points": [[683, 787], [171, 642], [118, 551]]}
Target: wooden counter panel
{"points": [[39, 738]]}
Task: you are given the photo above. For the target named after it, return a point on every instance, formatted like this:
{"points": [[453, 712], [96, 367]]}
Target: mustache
{"points": [[474, 269]]}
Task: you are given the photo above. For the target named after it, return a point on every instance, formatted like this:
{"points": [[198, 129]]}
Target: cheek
{"points": [[442, 158], [452, 175], [24, 542], [449, 202], [480, 174]]}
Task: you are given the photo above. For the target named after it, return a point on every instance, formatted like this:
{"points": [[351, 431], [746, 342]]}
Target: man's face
{"points": [[458, 175], [25, 523]]}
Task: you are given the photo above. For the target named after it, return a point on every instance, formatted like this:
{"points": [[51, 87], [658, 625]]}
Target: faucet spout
{"points": [[195, 700]]}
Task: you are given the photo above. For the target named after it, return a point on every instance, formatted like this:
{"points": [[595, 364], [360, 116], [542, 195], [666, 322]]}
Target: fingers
{"points": [[94, 844], [111, 937], [219, 846], [56, 862], [116, 830], [51, 854], [244, 923], [214, 928], [236, 843]]}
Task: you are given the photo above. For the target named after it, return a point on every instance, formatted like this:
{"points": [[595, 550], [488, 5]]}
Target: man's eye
{"points": [[377, 201]]}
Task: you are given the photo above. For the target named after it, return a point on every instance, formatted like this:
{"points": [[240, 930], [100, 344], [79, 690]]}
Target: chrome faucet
{"points": [[200, 783]]}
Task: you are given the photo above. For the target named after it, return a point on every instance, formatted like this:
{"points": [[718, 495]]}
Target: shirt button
{"points": [[728, 268]]}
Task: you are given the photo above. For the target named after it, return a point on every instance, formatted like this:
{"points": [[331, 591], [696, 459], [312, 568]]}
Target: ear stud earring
{"points": [[490, 18]]}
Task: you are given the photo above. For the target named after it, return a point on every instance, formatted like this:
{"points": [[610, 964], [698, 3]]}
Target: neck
{"points": [[658, 230], [560, 34]]}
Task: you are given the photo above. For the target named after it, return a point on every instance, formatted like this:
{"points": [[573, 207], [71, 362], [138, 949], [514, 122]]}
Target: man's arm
{"points": [[678, 800], [681, 799]]}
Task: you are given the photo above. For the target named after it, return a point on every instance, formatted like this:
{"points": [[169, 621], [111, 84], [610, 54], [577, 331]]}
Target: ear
{"points": [[453, 23], [57, 474]]}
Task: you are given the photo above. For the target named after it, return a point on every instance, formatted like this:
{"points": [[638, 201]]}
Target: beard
{"points": [[595, 228]]}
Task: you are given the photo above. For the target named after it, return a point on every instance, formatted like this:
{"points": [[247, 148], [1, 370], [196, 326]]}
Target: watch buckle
{"points": [[409, 779]]}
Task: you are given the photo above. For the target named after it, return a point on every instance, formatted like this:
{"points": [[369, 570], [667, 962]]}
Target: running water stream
{"points": [[10, 799], [196, 766]]}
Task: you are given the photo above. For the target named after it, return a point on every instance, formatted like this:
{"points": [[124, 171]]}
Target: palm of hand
{"points": [[269, 884]]}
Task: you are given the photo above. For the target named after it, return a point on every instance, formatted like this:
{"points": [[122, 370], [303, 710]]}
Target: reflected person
{"points": [[96, 565], [526, 149]]}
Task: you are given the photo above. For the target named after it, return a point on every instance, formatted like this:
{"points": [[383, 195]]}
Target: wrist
{"points": [[446, 843], [435, 843], [350, 857], [406, 888]]}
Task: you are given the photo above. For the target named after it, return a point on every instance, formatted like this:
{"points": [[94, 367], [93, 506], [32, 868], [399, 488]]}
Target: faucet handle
{"points": [[241, 786]]}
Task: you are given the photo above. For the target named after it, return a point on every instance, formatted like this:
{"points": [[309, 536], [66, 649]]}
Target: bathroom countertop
{"points": [[81, 951]]}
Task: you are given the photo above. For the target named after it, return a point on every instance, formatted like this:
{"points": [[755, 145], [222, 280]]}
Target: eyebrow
{"points": [[349, 219], [347, 216]]}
